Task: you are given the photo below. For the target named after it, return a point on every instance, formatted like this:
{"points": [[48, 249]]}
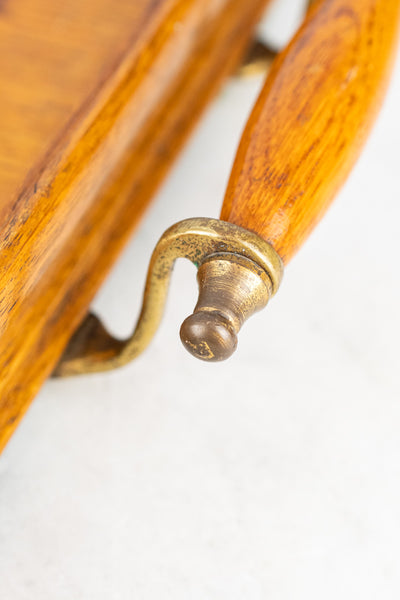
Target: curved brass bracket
{"points": [[93, 349], [257, 61]]}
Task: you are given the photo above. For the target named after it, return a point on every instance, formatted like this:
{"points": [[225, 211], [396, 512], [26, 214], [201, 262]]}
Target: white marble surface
{"points": [[273, 476]]}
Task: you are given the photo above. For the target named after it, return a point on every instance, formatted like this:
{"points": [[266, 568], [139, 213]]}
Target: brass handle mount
{"points": [[237, 274]]}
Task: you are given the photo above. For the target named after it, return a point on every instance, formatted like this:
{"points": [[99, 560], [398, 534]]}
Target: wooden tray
{"points": [[96, 100]]}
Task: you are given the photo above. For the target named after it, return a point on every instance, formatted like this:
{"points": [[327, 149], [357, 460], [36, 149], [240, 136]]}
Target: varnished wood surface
{"points": [[100, 102], [311, 120], [53, 59]]}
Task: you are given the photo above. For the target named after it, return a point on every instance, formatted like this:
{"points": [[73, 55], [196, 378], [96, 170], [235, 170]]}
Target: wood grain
{"points": [[311, 120], [95, 104]]}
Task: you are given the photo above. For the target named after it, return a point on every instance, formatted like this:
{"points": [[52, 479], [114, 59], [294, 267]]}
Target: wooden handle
{"points": [[311, 119], [300, 142]]}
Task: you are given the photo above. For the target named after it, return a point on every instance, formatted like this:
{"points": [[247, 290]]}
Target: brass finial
{"points": [[231, 289]]}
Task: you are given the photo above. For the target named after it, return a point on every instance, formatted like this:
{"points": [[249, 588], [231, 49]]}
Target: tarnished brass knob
{"points": [[231, 288]]}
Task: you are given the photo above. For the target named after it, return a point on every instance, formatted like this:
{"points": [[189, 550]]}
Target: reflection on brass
{"points": [[242, 268], [257, 61]]}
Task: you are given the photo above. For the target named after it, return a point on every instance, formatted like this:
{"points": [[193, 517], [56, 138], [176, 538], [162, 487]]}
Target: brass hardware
{"points": [[244, 269], [231, 288], [257, 61]]}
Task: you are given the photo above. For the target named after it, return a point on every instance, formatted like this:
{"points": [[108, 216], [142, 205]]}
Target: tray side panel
{"points": [[74, 216]]}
